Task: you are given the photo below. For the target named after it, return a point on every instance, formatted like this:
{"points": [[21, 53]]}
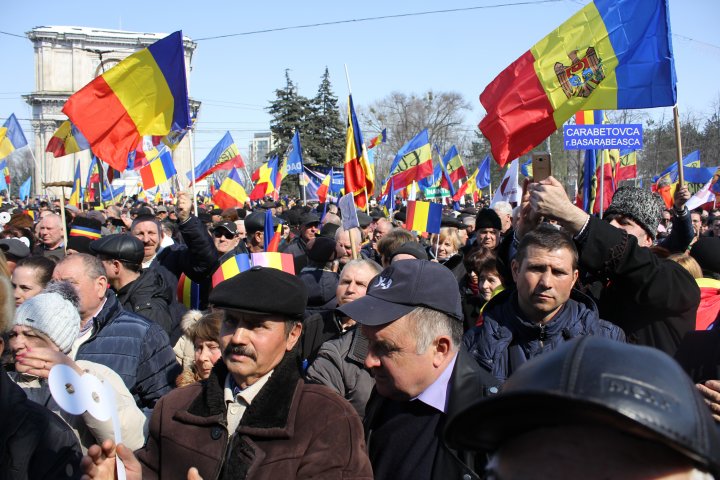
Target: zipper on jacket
{"points": [[543, 335]]}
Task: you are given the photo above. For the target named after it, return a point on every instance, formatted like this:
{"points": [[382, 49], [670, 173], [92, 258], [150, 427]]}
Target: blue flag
{"points": [[483, 177], [294, 155], [24, 191]]}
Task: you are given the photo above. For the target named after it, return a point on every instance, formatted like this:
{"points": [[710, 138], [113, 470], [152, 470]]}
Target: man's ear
{"points": [[515, 268], [443, 348], [293, 336]]}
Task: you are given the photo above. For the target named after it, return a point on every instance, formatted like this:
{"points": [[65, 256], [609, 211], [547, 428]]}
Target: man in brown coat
{"points": [[254, 418]]}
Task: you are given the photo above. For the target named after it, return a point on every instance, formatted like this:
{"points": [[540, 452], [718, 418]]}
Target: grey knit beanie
{"points": [[54, 313], [642, 206]]}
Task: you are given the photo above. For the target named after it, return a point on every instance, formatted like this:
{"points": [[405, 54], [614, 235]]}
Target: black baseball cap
{"points": [[638, 390], [231, 227], [401, 288]]}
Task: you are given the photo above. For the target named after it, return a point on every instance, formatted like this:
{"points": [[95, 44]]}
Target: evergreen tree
{"points": [[289, 111], [323, 136]]}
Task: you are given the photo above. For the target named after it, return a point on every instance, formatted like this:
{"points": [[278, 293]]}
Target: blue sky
{"points": [[235, 77]]}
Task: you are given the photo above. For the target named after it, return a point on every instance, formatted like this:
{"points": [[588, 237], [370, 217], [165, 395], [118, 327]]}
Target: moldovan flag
{"points": [[231, 267], [612, 54], [277, 260], [224, 156], [158, 171], [67, 139], [453, 166], [145, 94], [231, 192], [77, 188], [626, 168], [188, 292], [11, 136], [423, 216], [359, 177], [413, 162]]}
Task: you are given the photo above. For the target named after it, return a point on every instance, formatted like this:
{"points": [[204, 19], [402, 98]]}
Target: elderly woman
{"points": [[43, 332], [482, 282], [30, 277], [448, 244], [204, 334]]}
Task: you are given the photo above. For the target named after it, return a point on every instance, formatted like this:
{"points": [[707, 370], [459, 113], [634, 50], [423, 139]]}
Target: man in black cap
{"points": [[254, 417], [487, 228], [412, 317], [143, 292], [225, 236], [14, 250], [594, 409], [298, 247], [255, 227]]}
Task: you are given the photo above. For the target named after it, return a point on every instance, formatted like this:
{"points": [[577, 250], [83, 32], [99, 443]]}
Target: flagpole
{"points": [[192, 164], [678, 146], [602, 182]]}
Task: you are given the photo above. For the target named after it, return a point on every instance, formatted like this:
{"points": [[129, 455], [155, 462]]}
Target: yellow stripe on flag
{"points": [[553, 50], [158, 171], [150, 88], [230, 268], [421, 215]]}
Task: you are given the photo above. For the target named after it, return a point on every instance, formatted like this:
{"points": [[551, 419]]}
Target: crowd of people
{"points": [[521, 341]]}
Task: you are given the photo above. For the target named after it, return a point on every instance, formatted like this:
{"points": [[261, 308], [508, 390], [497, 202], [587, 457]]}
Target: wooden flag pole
{"points": [[678, 146]]}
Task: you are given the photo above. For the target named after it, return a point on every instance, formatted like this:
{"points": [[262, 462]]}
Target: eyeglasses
{"points": [[223, 233]]}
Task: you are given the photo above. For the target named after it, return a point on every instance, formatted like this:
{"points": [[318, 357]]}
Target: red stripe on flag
{"points": [[520, 115], [116, 133], [410, 215]]}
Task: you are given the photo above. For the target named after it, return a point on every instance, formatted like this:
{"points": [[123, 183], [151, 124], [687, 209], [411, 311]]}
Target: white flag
{"points": [[701, 197], [509, 190]]}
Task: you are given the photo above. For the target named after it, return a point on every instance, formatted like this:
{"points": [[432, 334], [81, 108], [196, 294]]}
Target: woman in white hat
{"points": [[43, 332]]}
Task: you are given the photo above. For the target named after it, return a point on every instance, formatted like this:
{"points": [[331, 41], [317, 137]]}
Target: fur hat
{"points": [[53, 312], [641, 206]]}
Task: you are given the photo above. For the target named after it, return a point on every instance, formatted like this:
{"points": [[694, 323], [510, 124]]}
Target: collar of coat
{"points": [[268, 414]]}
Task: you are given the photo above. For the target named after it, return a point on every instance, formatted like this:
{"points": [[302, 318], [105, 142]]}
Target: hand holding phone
{"points": [[542, 166]]}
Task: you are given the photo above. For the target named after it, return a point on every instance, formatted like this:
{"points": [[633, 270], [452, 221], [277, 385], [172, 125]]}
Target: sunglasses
{"points": [[223, 233]]}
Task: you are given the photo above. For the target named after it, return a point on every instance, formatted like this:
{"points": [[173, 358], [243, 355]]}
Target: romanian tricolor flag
{"points": [[412, 163], [5, 171], [423, 216], [224, 156], [382, 138], [76, 194], [453, 166], [476, 182], [231, 192], [231, 267], [324, 187], [188, 292], [265, 177], [277, 260], [158, 171], [145, 94], [11, 136], [67, 139], [84, 231], [359, 176], [612, 54]]}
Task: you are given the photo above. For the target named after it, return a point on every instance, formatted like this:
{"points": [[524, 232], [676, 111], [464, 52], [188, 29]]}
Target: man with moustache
{"points": [[254, 417]]}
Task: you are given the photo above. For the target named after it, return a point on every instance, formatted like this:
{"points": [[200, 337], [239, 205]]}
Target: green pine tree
{"points": [[288, 111], [324, 132]]}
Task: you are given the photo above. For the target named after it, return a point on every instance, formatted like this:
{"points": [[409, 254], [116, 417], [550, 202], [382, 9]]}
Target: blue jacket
{"points": [[137, 349], [506, 340]]}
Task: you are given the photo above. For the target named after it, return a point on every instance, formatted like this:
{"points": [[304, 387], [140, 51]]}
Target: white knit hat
{"points": [[54, 313]]}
